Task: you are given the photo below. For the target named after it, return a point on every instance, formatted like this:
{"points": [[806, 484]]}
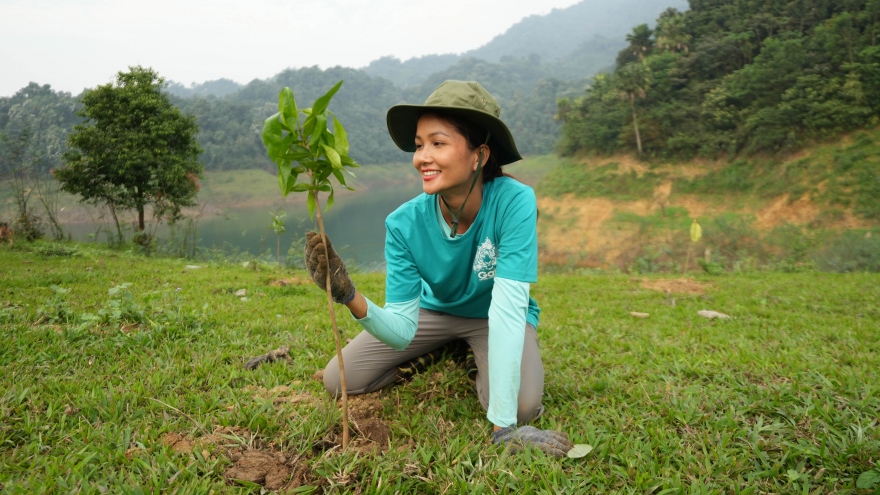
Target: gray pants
{"points": [[371, 365]]}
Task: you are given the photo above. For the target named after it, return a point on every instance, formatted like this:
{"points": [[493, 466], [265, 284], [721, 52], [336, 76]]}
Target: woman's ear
{"points": [[486, 152]]}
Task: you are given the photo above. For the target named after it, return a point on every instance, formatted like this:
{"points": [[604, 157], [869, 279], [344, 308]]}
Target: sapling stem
{"points": [[320, 218]]}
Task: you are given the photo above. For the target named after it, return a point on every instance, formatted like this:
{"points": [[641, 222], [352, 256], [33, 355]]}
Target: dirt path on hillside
{"points": [[582, 231]]}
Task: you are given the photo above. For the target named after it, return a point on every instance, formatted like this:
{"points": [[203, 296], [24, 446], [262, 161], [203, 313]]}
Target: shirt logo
{"points": [[486, 260]]}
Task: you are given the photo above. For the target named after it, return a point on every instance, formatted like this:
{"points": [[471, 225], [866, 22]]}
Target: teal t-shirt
{"points": [[456, 276]]}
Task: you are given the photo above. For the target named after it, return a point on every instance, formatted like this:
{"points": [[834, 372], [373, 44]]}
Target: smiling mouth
{"points": [[430, 173]]}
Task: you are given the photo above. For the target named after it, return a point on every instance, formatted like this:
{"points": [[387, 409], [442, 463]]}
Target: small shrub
{"points": [[55, 249], [711, 267], [56, 309], [852, 251], [120, 309], [28, 226]]}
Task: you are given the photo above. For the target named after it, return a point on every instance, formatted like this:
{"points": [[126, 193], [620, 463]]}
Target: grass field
{"points": [[141, 388]]}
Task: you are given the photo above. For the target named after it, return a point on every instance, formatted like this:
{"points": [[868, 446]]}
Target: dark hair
{"points": [[476, 137]]}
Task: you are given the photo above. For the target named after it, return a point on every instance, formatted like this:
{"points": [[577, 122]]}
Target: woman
{"points": [[460, 259]]}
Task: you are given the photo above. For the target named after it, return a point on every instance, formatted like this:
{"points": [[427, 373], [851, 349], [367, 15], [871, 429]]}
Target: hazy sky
{"points": [[74, 44]]}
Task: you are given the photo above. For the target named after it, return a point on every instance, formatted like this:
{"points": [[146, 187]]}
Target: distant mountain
{"points": [[219, 87], [590, 32], [556, 34], [412, 72]]}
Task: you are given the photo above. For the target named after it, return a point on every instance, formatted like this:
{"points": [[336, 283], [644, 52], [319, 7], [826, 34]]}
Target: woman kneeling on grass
{"points": [[460, 259]]}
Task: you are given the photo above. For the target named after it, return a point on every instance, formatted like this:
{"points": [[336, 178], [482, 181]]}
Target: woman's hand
{"points": [[552, 442], [341, 287]]}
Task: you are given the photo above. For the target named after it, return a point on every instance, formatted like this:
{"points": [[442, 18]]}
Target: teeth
{"points": [[430, 172]]}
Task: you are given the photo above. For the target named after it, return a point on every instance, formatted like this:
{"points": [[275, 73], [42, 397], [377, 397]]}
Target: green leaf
{"points": [[301, 187], [318, 131], [696, 231], [321, 103], [313, 205], [330, 201], [273, 138], [868, 479], [283, 177], [340, 137], [793, 475], [579, 450], [333, 156], [348, 162], [309, 125], [339, 177], [295, 157], [287, 108]]}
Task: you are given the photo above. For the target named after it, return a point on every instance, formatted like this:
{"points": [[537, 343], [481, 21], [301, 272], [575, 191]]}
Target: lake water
{"points": [[355, 224]]}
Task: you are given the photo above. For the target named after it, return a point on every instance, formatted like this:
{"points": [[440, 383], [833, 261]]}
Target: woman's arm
{"points": [[395, 324], [507, 330]]}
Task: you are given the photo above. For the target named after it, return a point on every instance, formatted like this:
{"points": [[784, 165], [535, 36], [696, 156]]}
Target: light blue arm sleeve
{"points": [[395, 324], [507, 334]]}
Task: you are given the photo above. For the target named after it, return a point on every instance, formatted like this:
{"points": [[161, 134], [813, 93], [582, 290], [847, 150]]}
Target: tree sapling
{"points": [[307, 148]]}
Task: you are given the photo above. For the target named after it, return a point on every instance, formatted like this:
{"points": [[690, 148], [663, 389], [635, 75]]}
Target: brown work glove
{"points": [[341, 286]]}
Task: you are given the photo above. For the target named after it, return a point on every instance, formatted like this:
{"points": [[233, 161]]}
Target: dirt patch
{"points": [[676, 286], [253, 460], [272, 469], [176, 442], [781, 210], [285, 282], [221, 438], [283, 394], [577, 227], [364, 406], [370, 434]]}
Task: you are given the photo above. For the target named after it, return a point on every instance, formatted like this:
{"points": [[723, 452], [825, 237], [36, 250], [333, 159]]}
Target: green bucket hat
{"points": [[465, 99]]}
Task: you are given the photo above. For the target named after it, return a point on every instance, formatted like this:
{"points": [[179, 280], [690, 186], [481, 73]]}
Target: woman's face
{"points": [[442, 157]]}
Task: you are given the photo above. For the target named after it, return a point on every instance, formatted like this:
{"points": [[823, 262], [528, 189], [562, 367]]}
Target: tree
{"points": [[671, 32], [134, 149], [33, 128], [633, 81], [640, 45]]}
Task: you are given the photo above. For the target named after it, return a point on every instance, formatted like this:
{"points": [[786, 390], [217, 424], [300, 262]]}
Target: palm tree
{"points": [[640, 42], [633, 81], [671, 32]]}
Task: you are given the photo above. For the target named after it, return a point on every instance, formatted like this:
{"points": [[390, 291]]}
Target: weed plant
{"points": [[780, 399]]}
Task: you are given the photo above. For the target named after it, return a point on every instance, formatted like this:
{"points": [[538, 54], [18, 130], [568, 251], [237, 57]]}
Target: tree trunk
{"points": [[141, 225], [345, 435], [116, 221], [632, 104]]}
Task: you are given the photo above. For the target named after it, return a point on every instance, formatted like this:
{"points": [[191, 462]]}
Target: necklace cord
{"points": [[456, 217]]}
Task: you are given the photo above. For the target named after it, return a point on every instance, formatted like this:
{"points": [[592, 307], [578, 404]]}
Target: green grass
{"points": [[781, 399], [533, 168], [606, 181]]}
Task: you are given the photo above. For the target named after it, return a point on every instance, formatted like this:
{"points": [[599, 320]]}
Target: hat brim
{"points": [[402, 121]]}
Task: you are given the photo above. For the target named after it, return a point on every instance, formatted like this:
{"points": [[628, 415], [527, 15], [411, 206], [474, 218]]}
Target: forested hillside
{"points": [[34, 123], [733, 77], [528, 68], [721, 79], [572, 43]]}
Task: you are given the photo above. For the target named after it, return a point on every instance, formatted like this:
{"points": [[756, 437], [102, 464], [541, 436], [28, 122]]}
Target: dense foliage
{"points": [[34, 123], [135, 149], [735, 76]]}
